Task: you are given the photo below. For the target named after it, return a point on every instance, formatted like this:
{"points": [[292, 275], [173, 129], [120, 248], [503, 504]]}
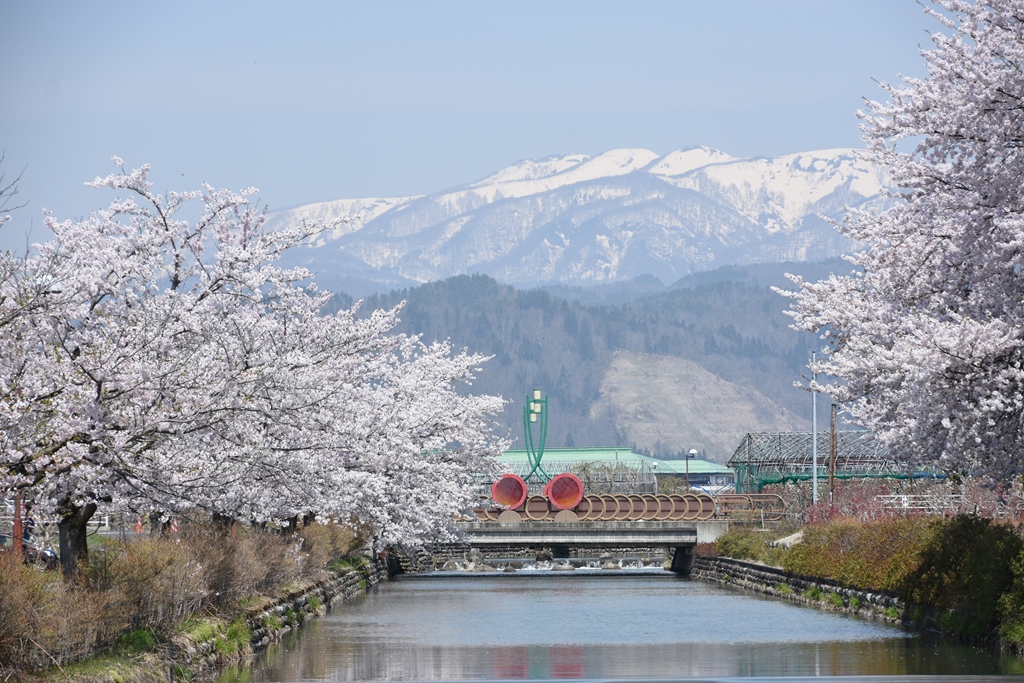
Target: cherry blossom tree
{"points": [[172, 365], [925, 338]]}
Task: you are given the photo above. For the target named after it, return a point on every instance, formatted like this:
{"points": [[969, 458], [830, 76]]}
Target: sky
{"points": [[313, 101]]}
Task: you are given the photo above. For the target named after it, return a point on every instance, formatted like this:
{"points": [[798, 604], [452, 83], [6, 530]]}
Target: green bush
{"points": [[836, 600], [137, 641], [1011, 604], [197, 630], [872, 556], [967, 570], [774, 556], [236, 638], [741, 544]]}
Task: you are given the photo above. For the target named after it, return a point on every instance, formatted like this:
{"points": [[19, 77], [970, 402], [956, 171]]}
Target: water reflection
{"points": [[514, 628]]}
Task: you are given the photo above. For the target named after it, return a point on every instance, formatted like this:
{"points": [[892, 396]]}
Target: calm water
{"points": [[652, 625]]}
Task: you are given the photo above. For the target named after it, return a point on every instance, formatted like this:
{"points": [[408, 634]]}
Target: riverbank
{"points": [[203, 647], [142, 609], [961, 576], [816, 592]]}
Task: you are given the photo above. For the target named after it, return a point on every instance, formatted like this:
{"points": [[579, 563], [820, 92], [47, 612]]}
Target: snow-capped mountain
{"points": [[582, 220]]}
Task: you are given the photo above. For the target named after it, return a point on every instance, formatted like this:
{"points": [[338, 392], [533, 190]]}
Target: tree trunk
{"points": [[74, 549], [158, 526]]}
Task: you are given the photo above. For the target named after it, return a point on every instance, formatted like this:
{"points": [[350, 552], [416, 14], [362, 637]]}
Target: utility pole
{"points": [[832, 461], [814, 431]]}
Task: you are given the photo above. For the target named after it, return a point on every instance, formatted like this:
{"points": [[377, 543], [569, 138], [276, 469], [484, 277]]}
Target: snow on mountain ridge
{"points": [[515, 181], [357, 212], [579, 219], [530, 169], [787, 185], [683, 161]]}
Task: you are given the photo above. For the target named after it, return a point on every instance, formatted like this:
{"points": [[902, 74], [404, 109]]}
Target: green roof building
{"points": [[636, 472]]}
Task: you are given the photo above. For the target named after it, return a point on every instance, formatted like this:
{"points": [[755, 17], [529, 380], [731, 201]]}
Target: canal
{"points": [[648, 624]]}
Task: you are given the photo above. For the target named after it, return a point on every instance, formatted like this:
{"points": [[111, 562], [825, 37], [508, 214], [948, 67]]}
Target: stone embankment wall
{"points": [[314, 600], [269, 623], [817, 592]]}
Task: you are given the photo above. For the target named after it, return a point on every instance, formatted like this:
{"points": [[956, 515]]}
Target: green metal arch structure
{"points": [[535, 412]]}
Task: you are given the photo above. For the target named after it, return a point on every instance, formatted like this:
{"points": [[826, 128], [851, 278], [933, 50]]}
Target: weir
{"points": [[682, 536]]}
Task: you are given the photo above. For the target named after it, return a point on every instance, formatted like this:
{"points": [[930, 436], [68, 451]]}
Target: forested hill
{"points": [[711, 361]]}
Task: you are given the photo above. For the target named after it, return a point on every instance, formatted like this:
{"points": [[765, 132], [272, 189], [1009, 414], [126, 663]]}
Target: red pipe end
{"points": [[509, 491], [565, 491]]}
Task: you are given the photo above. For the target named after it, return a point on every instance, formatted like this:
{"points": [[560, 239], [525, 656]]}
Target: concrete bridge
{"points": [[680, 535]]}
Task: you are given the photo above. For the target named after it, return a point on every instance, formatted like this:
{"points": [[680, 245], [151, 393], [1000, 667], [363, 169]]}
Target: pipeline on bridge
{"points": [[563, 500]]}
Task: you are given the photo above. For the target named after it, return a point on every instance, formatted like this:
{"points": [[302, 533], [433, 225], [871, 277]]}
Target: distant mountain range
{"points": [[694, 366], [577, 220]]}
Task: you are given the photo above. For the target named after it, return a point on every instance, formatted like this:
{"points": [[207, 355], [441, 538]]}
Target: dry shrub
{"points": [[241, 562], [706, 549], [19, 586], [149, 583], [71, 622], [42, 616], [322, 543]]}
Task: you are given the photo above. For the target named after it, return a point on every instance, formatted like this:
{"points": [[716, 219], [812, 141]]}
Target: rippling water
{"points": [[647, 625]]}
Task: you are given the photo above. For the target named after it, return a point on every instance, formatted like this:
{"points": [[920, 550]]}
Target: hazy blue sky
{"points": [[311, 101]]}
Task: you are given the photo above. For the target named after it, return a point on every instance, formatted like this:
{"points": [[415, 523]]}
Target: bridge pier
{"points": [[682, 560]]}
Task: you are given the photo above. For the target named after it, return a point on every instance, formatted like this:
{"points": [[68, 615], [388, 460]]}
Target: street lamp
{"points": [[535, 412], [692, 454]]}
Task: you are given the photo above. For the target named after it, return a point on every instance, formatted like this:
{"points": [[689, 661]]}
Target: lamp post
{"points": [[535, 413], [692, 454], [814, 430]]}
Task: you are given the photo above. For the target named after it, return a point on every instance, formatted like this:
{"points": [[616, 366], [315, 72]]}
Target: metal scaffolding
{"points": [[771, 458]]}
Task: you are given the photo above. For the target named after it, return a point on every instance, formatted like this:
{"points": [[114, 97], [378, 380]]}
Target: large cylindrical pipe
{"points": [[537, 508], [611, 508], [590, 508], [509, 491], [565, 491]]}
